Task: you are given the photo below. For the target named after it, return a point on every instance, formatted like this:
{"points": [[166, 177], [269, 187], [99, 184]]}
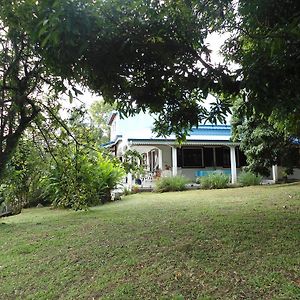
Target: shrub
{"points": [[127, 192], [20, 185], [214, 181], [135, 189], [249, 178], [110, 173], [171, 184], [84, 182]]}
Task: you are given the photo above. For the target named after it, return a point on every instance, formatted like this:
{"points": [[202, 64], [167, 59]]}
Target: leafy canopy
{"points": [[266, 44], [139, 54], [151, 54]]}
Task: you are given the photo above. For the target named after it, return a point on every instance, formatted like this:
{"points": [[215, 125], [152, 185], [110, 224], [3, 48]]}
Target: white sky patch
{"points": [[86, 99], [215, 41]]}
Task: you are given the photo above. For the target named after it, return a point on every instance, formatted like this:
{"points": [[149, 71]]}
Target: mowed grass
{"points": [[240, 243]]}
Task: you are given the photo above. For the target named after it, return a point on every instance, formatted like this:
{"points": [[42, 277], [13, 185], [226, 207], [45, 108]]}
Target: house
{"points": [[207, 149]]}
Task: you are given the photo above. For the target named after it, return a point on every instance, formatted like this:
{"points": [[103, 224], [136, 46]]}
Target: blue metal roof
{"points": [[206, 131], [111, 143], [107, 144], [212, 130]]}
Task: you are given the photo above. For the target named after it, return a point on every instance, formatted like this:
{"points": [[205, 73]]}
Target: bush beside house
{"points": [[171, 184], [88, 182], [249, 178], [214, 181]]}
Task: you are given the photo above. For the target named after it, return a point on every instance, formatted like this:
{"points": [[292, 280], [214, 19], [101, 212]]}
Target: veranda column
{"points": [[129, 181], [160, 161], [174, 161], [147, 161], [275, 173], [214, 157], [233, 165]]}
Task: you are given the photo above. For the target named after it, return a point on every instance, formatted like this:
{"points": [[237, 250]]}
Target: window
{"points": [[217, 157], [241, 159], [192, 157], [179, 157], [291, 158], [222, 157], [208, 157]]}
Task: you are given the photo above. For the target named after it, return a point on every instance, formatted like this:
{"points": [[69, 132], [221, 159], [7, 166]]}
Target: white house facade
{"points": [[207, 149]]}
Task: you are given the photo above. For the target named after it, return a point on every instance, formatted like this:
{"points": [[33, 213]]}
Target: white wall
{"points": [[296, 174], [114, 128], [166, 155]]}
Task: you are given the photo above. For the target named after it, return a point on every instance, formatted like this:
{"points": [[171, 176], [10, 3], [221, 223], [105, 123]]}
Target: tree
{"points": [[80, 174], [153, 54], [21, 185], [264, 146], [266, 44], [138, 54], [266, 119], [152, 65], [59, 162], [18, 73], [26, 87], [150, 54], [100, 113]]}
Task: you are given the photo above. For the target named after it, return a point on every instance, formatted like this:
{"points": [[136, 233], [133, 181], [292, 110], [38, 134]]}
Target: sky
{"points": [[87, 98], [215, 42]]}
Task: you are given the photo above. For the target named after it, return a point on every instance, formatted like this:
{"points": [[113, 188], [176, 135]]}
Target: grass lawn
{"points": [[241, 243]]}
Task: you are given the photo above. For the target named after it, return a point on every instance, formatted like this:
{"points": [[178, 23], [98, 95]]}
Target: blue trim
{"points": [[174, 140], [107, 144], [201, 173], [111, 143]]}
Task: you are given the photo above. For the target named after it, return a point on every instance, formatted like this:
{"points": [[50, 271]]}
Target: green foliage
{"points": [[100, 113], [266, 46], [263, 144], [82, 178], [133, 163], [127, 192], [170, 184], [110, 173], [26, 85], [214, 181], [79, 175], [56, 162], [152, 55], [21, 185], [248, 178], [162, 63]]}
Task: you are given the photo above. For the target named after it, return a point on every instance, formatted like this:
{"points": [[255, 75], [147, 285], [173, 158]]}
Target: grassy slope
{"points": [[225, 244]]}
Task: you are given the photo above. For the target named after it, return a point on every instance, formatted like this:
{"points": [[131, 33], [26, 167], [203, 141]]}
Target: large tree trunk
{"points": [[12, 139]]}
